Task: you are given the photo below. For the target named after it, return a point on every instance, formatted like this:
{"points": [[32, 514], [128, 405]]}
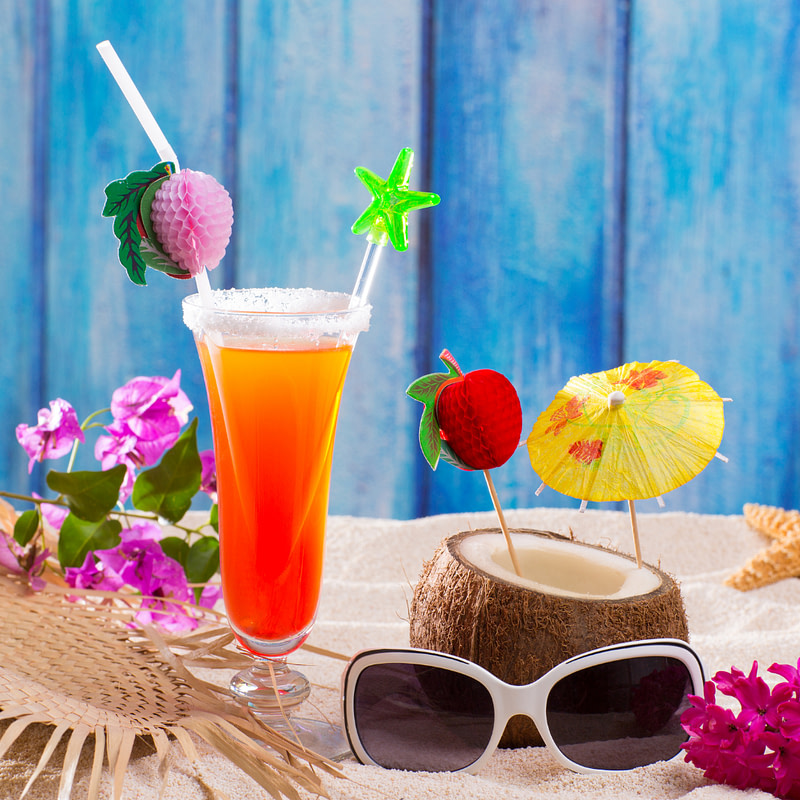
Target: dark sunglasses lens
{"points": [[422, 718], [621, 715]]}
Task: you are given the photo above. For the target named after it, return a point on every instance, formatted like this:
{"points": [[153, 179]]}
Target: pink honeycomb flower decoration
{"points": [[192, 216]]}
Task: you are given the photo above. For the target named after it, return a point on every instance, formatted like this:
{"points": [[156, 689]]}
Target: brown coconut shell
{"points": [[519, 633]]}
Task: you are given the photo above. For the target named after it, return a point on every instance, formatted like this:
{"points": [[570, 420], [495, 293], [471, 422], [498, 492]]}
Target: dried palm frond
{"points": [[79, 668]]}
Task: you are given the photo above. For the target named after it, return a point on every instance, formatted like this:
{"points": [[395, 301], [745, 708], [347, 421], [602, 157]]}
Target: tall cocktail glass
{"points": [[274, 363]]}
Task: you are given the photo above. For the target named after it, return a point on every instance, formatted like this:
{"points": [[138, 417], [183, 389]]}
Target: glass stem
{"points": [[270, 688]]}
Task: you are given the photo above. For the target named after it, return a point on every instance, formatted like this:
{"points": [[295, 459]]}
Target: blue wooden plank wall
{"points": [[619, 181]]}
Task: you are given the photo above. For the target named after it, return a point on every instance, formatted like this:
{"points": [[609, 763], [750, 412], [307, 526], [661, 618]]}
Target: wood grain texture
{"points": [[618, 182], [22, 231], [325, 87], [712, 228], [519, 157]]}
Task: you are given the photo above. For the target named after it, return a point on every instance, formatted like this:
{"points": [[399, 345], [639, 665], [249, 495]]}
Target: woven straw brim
{"points": [[79, 667]]}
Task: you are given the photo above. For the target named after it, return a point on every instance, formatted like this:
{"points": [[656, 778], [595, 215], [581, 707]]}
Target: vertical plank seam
{"points": [[426, 263], [615, 250], [40, 137], [230, 151]]}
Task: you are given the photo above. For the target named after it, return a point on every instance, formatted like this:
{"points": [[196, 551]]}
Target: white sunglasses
{"points": [[611, 709]]}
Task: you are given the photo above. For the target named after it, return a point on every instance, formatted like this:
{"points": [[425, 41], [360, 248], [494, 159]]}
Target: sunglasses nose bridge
{"points": [[526, 701]]}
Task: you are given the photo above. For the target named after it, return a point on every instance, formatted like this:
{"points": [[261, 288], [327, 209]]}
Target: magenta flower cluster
{"points": [[756, 745], [148, 416], [140, 563]]}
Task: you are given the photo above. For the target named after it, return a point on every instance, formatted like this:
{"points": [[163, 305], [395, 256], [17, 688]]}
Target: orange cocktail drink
{"points": [[274, 374]]}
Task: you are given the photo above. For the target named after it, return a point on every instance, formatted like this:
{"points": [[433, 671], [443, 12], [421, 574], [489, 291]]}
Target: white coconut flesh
{"points": [[560, 567]]}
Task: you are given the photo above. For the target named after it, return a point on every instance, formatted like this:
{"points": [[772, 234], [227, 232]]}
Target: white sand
{"points": [[371, 566]]}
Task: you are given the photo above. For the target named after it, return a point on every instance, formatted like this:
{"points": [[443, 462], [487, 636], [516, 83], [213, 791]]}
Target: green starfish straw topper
{"points": [[386, 217]]}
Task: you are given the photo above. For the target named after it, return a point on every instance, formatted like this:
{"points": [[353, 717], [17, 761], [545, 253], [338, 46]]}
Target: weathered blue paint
{"points": [[712, 227], [617, 179]]}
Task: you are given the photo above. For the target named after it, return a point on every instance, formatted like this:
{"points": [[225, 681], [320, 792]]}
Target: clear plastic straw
{"points": [[154, 133], [369, 266]]}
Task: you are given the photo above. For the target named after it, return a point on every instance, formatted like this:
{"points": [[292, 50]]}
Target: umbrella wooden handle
{"points": [[635, 531]]}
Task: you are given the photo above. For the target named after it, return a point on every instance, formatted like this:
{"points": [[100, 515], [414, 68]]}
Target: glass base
{"points": [[272, 691]]}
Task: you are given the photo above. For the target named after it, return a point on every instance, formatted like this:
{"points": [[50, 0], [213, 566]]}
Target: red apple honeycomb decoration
{"points": [[472, 421]]}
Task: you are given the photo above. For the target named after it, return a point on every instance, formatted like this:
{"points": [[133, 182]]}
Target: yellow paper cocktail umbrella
{"points": [[629, 433]]}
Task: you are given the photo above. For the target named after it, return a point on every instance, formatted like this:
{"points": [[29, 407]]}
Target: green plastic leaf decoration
{"points": [[430, 440], [150, 247], [123, 202], [386, 217], [449, 455], [26, 526], [168, 488], [79, 536], [90, 495], [426, 390]]}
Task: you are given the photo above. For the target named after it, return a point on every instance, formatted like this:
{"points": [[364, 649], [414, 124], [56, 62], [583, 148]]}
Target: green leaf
{"points": [[26, 526], [79, 536], [175, 547], [90, 495], [213, 519], [153, 256], [122, 193], [152, 252], [430, 440], [117, 198], [123, 202], [202, 563], [425, 388], [127, 231], [168, 488], [449, 455], [203, 559]]}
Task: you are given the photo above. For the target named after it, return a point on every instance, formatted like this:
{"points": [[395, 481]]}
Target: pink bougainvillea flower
{"points": [[210, 596], [53, 435], [208, 480], [152, 408], [27, 561], [93, 574], [148, 416], [140, 563], [120, 447]]}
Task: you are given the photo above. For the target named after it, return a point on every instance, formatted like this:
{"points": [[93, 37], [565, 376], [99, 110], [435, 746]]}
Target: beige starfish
{"points": [[771, 521], [781, 559]]}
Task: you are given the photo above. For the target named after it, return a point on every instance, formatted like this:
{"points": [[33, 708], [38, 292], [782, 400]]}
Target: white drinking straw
{"points": [[154, 133]]}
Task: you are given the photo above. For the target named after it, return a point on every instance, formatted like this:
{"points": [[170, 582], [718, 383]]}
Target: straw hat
{"points": [[81, 668]]}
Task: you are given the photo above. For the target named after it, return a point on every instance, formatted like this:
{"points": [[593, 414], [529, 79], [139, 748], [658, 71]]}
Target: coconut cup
{"points": [[572, 597]]}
